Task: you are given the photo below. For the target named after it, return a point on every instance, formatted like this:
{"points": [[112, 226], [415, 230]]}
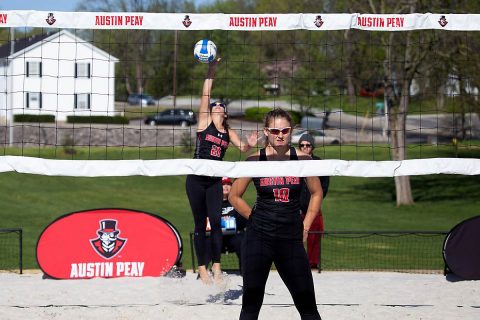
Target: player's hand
{"points": [[253, 139], [212, 68]]}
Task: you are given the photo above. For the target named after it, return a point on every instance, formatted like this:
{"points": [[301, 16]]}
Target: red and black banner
{"points": [[108, 243], [461, 250]]}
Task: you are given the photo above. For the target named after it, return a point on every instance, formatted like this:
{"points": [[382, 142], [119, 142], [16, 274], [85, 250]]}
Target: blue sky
{"points": [[42, 5], [45, 5]]}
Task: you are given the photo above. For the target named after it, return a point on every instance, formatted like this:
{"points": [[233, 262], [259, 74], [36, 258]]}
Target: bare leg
{"points": [[203, 273], [217, 272]]}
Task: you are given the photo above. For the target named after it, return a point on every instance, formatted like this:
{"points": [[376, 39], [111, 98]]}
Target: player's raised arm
{"points": [[203, 111]]}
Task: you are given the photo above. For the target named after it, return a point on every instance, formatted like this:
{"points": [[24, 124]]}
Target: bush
{"points": [[34, 118], [68, 145], [98, 119], [257, 114]]}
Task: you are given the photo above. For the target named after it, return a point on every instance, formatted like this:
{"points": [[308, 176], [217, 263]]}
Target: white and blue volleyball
{"points": [[205, 51]]}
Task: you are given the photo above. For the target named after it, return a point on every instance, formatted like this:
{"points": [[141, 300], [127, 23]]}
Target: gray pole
{"points": [[175, 69], [10, 100]]}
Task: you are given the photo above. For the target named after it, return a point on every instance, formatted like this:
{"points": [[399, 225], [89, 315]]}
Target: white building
{"points": [[56, 74]]}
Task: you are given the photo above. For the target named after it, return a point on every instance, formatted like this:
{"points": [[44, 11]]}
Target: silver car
{"points": [[318, 135]]}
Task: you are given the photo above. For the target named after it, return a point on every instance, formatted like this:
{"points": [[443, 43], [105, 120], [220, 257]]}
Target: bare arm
{"points": [[316, 197], [243, 146], [235, 197], [203, 112]]}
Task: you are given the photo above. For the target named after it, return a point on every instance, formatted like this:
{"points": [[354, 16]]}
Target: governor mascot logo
{"points": [[108, 244]]}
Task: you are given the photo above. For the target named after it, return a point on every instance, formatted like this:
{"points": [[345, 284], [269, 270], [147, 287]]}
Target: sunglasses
{"points": [[276, 131], [305, 145], [215, 104]]}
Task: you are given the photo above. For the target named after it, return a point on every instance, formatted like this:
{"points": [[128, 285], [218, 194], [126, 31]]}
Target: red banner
{"points": [[108, 243]]}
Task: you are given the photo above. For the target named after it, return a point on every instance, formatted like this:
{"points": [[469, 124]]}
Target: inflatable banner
{"points": [[461, 250], [108, 243]]}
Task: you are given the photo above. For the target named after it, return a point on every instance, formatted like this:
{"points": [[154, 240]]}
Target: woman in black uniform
{"points": [[205, 193], [274, 229]]}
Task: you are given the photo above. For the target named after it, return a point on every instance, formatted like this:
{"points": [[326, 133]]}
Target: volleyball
{"points": [[205, 51]]}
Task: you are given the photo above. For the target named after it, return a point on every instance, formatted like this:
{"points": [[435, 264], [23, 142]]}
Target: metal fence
{"points": [[396, 251], [400, 251], [11, 249]]}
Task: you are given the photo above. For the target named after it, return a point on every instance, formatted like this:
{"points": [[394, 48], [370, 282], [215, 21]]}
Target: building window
{"points": [[82, 101], [34, 100], [82, 70], [34, 69]]}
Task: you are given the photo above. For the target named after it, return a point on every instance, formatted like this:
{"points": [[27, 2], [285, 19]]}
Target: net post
{"points": [[319, 266], [20, 255], [193, 252]]}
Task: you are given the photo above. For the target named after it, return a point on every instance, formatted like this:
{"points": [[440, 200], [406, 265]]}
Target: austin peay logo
{"points": [[50, 19], [318, 21], [443, 21], [187, 22], [108, 244]]}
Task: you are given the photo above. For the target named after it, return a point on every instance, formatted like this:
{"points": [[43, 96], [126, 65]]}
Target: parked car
{"points": [[376, 90], [143, 99], [183, 117], [312, 123], [318, 135]]}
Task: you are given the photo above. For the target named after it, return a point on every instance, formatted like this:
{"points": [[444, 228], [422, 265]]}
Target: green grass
{"points": [[31, 202], [365, 106], [384, 252]]}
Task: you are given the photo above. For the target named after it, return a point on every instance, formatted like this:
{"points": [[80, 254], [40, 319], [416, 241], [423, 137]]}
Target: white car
{"points": [[318, 135]]}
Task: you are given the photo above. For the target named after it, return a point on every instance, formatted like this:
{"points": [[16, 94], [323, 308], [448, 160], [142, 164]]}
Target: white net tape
{"points": [[240, 22], [104, 168]]}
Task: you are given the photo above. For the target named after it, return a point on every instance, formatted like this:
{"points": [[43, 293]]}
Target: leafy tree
{"points": [[142, 60]]}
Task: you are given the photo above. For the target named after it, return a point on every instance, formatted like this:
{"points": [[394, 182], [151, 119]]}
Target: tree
{"points": [[140, 59], [402, 60]]}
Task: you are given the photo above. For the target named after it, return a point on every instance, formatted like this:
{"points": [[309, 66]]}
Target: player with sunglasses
{"points": [[306, 143], [205, 193], [275, 232]]}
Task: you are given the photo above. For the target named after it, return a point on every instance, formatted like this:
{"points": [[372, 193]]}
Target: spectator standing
{"points": [[307, 145]]}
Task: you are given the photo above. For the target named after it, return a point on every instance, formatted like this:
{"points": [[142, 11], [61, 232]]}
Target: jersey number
{"points": [[216, 151], [281, 195]]}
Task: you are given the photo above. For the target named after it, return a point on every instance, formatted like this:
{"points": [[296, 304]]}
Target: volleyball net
{"points": [[112, 94]]}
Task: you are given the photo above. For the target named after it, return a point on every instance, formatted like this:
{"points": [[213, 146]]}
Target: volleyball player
{"points": [[274, 229], [205, 193]]}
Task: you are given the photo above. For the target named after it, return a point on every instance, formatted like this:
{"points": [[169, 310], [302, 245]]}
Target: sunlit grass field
{"points": [[31, 202]]}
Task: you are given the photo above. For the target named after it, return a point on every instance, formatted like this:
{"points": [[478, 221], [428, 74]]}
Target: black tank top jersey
{"points": [[211, 144], [276, 212]]}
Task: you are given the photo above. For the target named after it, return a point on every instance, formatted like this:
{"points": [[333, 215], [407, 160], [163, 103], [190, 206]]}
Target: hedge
{"points": [[33, 118], [258, 113], [98, 119]]}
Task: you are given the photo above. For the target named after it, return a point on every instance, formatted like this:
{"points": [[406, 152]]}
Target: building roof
{"points": [[25, 44], [21, 44]]}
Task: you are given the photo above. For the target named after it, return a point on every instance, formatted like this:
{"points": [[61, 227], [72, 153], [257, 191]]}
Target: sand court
{"points": [[340, 295]]}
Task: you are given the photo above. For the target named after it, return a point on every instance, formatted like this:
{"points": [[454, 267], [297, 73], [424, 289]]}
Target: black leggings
{"points": [[205, 196], [291, 261]]}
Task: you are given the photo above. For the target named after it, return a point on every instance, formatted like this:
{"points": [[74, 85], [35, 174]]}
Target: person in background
{"points": [[275, 232], [233, 226], [307, 145], [205, 193]]}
